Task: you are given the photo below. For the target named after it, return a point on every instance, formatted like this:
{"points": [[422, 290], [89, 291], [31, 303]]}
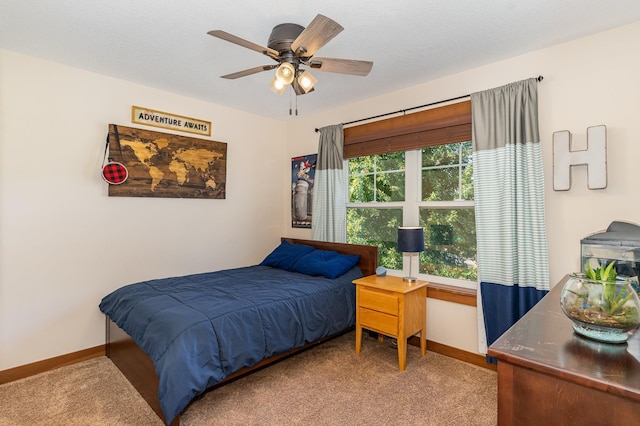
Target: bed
{"points": [[231, 322]]}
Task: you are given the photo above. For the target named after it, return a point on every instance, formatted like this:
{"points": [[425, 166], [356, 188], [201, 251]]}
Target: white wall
{"points": [[587, 82], [65, 244], [59, 229]]}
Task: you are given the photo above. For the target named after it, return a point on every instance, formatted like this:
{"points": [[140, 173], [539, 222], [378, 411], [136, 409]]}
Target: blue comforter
{"points": [[198, 329]]}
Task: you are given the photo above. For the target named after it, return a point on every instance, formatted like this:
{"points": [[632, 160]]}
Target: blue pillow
{"points": [[326, 263], [285, 255]]}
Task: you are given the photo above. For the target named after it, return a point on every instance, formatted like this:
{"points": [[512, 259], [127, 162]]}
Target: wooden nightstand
{"points": [[393, 307]]}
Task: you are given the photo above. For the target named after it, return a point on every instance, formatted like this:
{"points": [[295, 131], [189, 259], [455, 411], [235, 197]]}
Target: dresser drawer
{"points": [[378, 300], [377, 321]]}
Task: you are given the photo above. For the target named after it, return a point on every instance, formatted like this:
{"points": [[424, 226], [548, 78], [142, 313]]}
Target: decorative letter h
{"points": [[595, 158]]}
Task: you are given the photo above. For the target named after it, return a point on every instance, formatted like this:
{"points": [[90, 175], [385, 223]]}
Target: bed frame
{"points": [[137, 367]]}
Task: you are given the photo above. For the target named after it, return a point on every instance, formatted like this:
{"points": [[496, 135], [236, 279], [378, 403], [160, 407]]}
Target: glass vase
{"points": [[601, 310]]}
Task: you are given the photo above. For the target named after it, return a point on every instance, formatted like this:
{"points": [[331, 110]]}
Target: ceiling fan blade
{"points": [[318, 33], [250, 71], [341, 66], [244, 43]]}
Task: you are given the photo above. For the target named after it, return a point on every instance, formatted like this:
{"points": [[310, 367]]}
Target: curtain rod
{"points": [[539, 78]]}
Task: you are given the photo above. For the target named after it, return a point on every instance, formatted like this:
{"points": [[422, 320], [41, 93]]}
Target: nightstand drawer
{"points": [[378, 300], [384, 323]]}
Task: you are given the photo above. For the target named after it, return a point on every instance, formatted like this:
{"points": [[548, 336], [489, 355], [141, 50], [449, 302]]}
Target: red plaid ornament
{"points": [[114, 173]]}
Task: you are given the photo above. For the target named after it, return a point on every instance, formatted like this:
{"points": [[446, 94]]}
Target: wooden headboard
{"points": [[368, 254]]}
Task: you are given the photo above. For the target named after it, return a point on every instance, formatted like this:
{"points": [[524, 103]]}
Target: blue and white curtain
{"points": [[329, 219], [513, 267]]}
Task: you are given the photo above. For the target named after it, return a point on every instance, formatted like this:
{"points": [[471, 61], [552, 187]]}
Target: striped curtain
{"points": [[513, 267], [329, 212]]}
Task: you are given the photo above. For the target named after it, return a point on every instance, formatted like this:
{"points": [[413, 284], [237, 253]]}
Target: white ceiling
{"points": [[164, 43]]}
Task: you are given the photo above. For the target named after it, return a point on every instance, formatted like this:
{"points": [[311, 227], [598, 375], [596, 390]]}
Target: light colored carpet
{"points": [[92, 392], [327, 385]]}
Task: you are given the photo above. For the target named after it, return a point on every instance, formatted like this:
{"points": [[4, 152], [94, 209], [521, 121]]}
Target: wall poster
{"points": [[166, 165], [303, 170]]}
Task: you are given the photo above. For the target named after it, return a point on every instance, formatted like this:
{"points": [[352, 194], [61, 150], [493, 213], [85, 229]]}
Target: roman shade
{"points": [[436, 126]]}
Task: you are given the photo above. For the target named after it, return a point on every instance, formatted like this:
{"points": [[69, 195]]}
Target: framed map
{"points": [[166, 165]]}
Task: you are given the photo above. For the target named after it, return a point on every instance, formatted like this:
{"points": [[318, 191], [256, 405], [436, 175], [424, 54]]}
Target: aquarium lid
{"points": [[617, 234]]}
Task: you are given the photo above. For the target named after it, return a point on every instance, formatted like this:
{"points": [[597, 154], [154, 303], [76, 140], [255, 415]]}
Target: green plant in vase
{"points": [[613, 297], [601, 306]]}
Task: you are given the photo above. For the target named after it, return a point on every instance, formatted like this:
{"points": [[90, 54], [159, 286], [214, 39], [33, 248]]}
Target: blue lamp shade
{"points": [[410, 239]]}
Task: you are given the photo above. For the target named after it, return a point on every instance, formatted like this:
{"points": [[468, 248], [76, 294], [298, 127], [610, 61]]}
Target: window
{"points": [[377, 178], [377, 185], [447, 212], [422, 175]]}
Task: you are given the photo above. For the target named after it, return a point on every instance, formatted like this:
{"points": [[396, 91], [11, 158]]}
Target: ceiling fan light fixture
{"points": [[291, 46], [278, 86], [286, 73], [306, 81]]}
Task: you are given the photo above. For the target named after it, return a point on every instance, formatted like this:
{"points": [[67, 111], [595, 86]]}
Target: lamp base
{"points": [[410, 279]]}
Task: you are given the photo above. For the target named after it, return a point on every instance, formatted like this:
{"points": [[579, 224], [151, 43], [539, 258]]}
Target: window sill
{"points": [[453, 294]]}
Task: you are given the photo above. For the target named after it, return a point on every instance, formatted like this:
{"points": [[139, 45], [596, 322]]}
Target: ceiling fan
{"points": [[292, 46]]}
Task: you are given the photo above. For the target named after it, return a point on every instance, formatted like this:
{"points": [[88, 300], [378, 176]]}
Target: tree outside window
{"points": [[442, 200]]}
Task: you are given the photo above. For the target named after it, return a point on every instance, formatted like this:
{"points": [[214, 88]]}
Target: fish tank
{"points": [[619, 242]]}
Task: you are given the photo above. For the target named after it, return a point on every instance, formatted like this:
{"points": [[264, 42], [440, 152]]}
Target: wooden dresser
{"points": [[548, 375]]}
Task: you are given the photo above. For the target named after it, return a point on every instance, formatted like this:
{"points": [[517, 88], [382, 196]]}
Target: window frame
{"points": [[411, 211]]}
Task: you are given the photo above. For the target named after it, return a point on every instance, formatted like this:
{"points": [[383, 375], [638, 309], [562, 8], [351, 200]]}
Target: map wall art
{"points": [[166, 165]]}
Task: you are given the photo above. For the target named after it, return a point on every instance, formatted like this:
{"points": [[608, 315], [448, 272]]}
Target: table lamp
{"points": [[410, 241]]}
